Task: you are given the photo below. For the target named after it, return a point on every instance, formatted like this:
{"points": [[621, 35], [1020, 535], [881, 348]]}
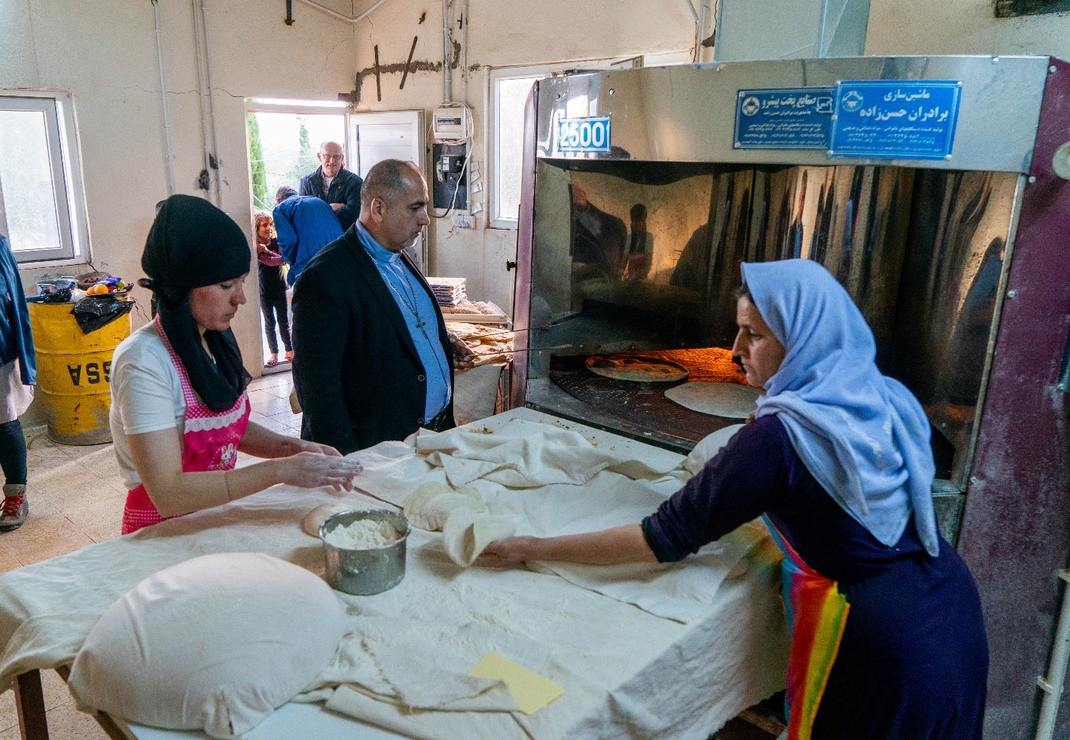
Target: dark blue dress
{"points": [[913, 660]]}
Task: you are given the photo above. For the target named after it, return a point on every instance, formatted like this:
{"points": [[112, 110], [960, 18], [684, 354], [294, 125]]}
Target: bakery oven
{"points": [[932, 187]]}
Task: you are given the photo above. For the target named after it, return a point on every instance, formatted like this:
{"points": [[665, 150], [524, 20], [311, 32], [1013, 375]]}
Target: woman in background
{"points": [[888, 641], [179, 411], [18, 371], [272, 288]]}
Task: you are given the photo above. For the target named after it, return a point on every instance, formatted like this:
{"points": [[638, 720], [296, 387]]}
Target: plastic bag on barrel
{"points": [[95, 311]]}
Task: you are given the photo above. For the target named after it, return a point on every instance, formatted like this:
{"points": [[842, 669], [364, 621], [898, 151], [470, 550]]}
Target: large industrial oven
{"points": [[933, 187]]}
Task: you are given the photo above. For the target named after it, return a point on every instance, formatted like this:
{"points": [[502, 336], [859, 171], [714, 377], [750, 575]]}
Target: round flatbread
{"points": [[636, 369], [729, 400]]}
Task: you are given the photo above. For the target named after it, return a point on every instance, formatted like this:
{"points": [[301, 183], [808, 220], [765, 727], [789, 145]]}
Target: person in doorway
{"points": [[18, 372], [273, 304], [179, 409], [304, 225], [639, 252], [334, 184], [373, 361], [888, 637]]}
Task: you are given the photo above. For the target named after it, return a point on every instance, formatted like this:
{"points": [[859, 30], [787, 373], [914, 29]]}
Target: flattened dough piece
{"points": [[709, 446], [636, 369], [313, 519], [467, 535], [430, 505], [433, 516], [730, 400]]}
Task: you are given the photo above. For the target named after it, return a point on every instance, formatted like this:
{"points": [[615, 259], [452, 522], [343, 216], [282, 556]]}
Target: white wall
{"points": [[962, 27], [500, 33], [106, 53]]}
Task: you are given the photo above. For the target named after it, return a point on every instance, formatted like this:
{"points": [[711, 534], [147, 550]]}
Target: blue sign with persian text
{"points": [[590, 134], [897, 119], [783, 118]]}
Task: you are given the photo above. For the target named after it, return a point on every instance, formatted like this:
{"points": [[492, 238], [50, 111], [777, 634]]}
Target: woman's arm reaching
{"points": [[625, 544]]}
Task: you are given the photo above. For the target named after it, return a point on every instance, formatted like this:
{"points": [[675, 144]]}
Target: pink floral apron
{"points": [[210, 442]]}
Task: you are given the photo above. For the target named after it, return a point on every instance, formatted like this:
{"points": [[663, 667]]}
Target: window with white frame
{"points": [[509, 89], [42, 209]]}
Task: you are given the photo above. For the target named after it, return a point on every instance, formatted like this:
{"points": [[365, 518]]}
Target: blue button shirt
{"points": [[416, 307]]}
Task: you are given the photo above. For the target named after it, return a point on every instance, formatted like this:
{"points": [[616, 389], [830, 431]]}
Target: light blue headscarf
{"points": [[863, 436]]}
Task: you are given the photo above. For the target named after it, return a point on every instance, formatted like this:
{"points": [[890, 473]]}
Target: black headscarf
{"points": [[193, 244]]}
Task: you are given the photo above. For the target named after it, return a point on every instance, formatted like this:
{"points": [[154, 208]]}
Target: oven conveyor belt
{"points": [[643, 405]]}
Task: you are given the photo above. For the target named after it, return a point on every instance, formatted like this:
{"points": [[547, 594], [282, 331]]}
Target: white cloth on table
{"points": [[405, 660], [530, 454], [585, 481]]}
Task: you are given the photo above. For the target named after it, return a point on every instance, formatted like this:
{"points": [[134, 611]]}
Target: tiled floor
{"points": [[76, 498]]}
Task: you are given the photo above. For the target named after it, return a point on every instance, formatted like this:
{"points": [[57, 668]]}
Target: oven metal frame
{"points": [[1014, 115]]}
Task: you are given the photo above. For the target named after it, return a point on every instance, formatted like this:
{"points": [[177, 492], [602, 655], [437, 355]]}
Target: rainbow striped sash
{"points": [[817, 612]]}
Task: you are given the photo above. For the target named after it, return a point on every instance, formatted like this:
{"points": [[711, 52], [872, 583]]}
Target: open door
{"points": [[374, 137]]}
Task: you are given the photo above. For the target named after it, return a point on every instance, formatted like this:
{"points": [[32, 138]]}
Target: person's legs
{"points": [[267, 311], [279, 304], [13, 462]]}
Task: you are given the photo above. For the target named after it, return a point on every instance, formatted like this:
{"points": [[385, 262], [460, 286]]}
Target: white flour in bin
{"points": [[362, 535]]}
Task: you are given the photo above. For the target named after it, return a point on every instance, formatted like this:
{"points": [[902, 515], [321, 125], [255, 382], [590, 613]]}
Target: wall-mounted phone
{"points": [[450, 176]]}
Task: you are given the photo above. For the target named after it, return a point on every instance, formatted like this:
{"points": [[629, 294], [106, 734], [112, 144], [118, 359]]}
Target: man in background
{"points": [[303, 226], [373, 360], [334, 184]]}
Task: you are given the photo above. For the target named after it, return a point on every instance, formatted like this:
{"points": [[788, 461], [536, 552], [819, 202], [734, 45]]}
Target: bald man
{"points": [[333, 183], [373, 360]]}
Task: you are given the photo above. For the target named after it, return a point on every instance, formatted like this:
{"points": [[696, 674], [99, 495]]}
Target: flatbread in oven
{"points": [[728, 400], [636, 369]]}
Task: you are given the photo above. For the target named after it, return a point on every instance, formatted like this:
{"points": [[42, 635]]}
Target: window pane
{"points": [[26, 181], [512, 95]]}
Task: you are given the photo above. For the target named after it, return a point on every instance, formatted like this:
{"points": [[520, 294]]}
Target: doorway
{"points": [[284, 137]]}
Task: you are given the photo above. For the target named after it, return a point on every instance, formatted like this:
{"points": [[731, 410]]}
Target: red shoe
{"points": [[14, 512]]}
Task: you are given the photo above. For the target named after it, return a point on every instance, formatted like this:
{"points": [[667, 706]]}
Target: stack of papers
{"points": [[449, 291]]}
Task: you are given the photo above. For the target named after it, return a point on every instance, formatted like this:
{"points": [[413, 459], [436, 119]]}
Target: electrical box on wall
{"points": [[450, 182], [450, 124]]}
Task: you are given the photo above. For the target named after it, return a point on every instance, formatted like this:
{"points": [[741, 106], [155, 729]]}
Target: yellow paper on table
{"points": [[530, 691]]}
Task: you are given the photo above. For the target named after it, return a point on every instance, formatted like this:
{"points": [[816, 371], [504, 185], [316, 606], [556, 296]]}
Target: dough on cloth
{"points": [[313, 519], [730, 400], [466, 535], [708, 447], [430, 505]]}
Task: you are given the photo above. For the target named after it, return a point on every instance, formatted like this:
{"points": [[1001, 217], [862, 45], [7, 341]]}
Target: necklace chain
{"points": [[414, 306]]}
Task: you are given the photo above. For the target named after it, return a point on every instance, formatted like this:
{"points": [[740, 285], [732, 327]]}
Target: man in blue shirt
{"points": [[373, 361], [303, 226]]}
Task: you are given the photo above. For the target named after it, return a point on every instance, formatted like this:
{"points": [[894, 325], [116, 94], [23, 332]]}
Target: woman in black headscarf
{"points": [[179, 412]]}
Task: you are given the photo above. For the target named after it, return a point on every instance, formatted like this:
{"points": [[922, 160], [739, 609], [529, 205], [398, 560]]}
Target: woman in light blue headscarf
{"points": [[888, 638]]}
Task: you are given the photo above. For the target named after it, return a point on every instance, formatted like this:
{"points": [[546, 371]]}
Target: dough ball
{"points": [[433, 516], [430, 505], [467, 535], [419, 498], [313, 519]]}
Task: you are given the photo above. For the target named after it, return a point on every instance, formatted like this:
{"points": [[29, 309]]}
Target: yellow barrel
{"points": [[74, 372]]}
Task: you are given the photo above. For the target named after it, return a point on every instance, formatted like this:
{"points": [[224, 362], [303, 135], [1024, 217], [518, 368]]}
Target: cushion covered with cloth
{"points": [[215, 643]]}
